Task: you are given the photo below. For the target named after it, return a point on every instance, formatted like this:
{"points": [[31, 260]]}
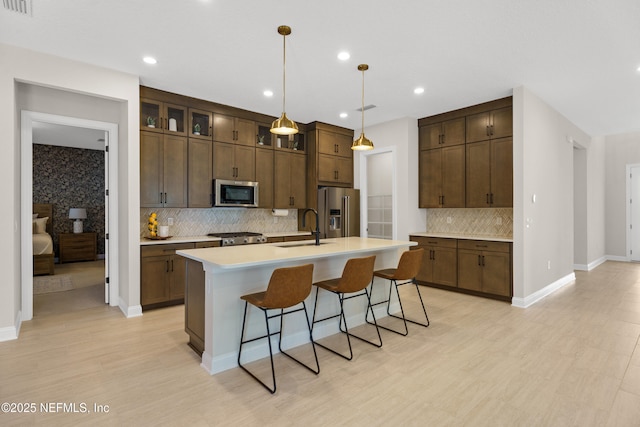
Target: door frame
{"points": [[26, 196], [629, 233], [364, 215]]}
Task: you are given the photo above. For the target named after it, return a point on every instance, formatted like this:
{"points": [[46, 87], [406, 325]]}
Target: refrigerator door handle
{"points": [[346, 225]]}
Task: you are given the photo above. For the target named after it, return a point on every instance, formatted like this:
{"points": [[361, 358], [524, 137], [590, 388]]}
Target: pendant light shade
{"points": [[362, 143], [284, 125]]}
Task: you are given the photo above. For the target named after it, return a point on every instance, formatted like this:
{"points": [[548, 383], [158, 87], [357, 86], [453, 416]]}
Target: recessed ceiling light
{"points": [[343, 115], [268, 93], [638, 69], [418, 90], [150, 60], [343, 56]]}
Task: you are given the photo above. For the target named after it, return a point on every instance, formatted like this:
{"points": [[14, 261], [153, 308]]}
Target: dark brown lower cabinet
{"points": [[438, 261], [194, 300], [194, 306], [162, 275], [485, 267], [472, 266]]}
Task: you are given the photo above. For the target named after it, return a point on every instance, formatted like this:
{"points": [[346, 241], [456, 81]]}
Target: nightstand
{"points": [[78, 247]]}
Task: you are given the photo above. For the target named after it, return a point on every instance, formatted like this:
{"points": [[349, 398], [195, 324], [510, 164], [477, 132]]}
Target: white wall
{"points": [[620, 151], [580, 240], [32, 68], [543, 166], [596, 205], [402, 134]]}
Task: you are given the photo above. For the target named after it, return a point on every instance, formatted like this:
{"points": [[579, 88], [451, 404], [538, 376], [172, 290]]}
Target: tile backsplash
{"points": [[493, 222], [200, 222]]}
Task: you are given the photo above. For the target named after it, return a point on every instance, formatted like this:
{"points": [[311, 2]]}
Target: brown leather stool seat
{"points": [[288, 287], [407, 270], [356, 277]]}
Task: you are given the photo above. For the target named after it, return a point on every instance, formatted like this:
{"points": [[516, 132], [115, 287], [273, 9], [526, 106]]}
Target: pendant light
{"points": [[284, 125], [362, 143]]}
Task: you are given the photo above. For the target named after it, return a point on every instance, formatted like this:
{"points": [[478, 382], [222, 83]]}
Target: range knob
{"points": [[227, 242], [262, 239], [245, 240]]}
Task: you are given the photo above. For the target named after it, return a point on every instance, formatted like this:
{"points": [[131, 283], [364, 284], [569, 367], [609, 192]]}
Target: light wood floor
{"points": [[573, 359]]}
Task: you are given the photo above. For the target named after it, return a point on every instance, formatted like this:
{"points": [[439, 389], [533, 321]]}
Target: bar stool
{"points": [[356, 276], [408, 268], [287, 287]]}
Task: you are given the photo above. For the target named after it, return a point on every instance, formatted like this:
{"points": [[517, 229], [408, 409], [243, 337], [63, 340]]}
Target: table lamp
{"points": [[78, 214]]}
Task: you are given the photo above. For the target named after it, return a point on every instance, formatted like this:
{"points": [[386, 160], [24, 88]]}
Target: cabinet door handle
{"points": [[167, 267], [433, 255], [488, 130], [443, 138], [491, 129], [160, 197], [479, 261], [483, 260], [171, 265], [165, 197], [443, 200], [491, 198], [487, 198]]}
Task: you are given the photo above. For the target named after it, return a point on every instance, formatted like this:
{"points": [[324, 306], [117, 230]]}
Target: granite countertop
{"points": [[462, 236]]}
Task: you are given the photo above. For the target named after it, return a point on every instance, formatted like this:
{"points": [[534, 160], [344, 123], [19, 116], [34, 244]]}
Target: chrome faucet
{"points": [[317, 232]]}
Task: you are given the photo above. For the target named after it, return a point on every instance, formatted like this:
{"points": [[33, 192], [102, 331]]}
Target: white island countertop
{"points": [[233, 257]]}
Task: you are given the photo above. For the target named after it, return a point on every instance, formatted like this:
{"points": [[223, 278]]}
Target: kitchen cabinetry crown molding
{"points": [[467, 111], [214, 107]]}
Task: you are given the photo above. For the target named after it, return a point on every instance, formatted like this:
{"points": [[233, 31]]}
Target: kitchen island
{"points": [[230, 272]]}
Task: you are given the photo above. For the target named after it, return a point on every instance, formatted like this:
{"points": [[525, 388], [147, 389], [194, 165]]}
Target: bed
{"points": [[42, 240]]}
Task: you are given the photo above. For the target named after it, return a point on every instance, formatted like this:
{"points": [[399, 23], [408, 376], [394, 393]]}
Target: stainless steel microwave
{"points": [[235, 194]]}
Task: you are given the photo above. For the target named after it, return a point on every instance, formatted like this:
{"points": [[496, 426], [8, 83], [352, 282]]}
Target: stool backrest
{"points": [[289, 286], [409, 264], [357, 274]]}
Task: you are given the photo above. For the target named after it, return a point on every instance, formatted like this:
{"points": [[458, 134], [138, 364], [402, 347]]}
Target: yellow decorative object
{"points": [[153, 224]]}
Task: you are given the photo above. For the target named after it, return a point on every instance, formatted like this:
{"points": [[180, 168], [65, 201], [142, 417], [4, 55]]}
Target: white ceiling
{"points": [[580, 56], [68, 136]]}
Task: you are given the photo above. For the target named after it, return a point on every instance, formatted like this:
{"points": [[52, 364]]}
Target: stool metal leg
{"points": [[268, 337], [315, 355], [343, 319], [395, 284]]}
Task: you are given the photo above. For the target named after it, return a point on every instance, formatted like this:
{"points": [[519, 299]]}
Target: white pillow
{"points": [[40, 225]]}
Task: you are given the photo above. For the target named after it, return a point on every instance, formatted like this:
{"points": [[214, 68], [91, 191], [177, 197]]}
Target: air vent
{"points": [[20, 6], [366, 107]]}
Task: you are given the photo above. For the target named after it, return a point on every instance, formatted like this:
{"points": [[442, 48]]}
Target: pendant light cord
{"points": [[284, 69], [362, 129]]}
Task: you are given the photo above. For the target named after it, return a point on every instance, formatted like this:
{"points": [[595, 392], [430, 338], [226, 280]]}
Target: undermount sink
{"points": [[295, 245]]}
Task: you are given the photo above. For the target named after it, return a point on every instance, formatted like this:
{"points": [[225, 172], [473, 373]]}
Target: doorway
{"points": [[109, 131], [378, 201], [633, 212]]}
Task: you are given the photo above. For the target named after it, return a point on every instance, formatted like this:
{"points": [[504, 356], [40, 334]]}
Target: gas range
{"points": [[239, 238]]}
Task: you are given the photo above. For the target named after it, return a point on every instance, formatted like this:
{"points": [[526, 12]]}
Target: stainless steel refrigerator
{"points": [[339, 212]]}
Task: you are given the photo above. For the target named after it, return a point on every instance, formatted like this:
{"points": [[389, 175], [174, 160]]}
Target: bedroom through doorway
{"points": [[74, 179], [69, 184]]}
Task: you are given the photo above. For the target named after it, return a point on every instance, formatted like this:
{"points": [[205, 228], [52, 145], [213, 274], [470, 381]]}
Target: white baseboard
{"points": [[547, 290], [591, 265], [617, 258], [130, 311], [11, 332]]}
